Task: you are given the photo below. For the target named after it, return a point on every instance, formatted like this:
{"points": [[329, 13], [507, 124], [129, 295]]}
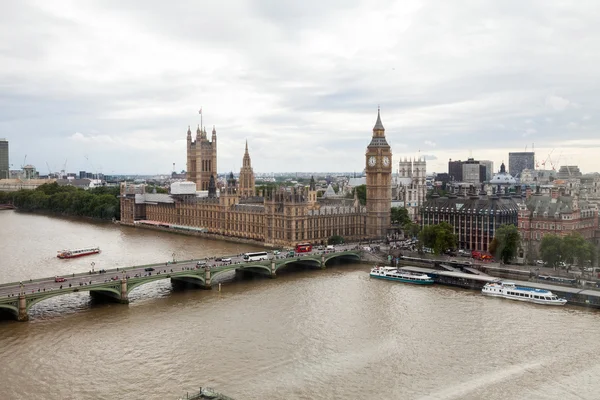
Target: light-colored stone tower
{"points": [[201, 158], [379, 182], [412, 185], [246, 185]]}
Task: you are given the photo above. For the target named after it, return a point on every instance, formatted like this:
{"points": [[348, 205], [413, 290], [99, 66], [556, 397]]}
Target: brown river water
{"points": [[308, 334]]}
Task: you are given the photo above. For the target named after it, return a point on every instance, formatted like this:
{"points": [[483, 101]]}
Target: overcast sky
{"points": [[111, 86]]}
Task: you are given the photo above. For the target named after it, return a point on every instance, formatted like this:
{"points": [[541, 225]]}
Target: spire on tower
{"points": [[378, 124], [246, 146]]}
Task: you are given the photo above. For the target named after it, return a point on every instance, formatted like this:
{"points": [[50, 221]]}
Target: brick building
{"points": [[560, 215]]}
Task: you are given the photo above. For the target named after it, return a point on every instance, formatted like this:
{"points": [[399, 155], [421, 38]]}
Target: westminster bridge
{"points": [[116, 284]]}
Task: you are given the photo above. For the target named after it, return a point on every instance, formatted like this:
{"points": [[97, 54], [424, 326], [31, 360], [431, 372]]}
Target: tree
{"points": [[439, 237], [507, 242], [576, 250], [551, 250], [361, 192], [493, 247], [400, 215], [411, 229], [335, 239]]}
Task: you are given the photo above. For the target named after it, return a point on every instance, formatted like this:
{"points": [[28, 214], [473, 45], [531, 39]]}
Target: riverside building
{"points": [[475, 217], [278, 217]]}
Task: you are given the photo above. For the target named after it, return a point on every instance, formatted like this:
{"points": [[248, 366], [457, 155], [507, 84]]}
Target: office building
{"points": [[519, 161], [4, 164]]}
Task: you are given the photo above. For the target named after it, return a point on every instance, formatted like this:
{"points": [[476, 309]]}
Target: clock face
{"points": [[386, 161], [372, 161]]}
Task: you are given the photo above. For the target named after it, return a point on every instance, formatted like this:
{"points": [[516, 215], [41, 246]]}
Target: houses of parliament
{"points": [[283, 216]]}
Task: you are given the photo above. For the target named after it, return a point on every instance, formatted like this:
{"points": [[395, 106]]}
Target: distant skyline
{"points": [[111, 87]]}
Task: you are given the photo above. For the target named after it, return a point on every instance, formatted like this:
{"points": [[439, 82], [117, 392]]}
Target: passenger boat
{"points": [[394, 274], [78, 252], [509, 290]]}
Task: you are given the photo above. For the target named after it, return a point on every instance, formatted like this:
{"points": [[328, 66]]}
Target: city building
{"points": [[568, 171], [470, 171], [560, 215], [4, 164], [502, 179], [489, 169], [282, 216], [201, 158], [411, 185], [519, 161], [455, 170], [473, 171], [475, 217]]}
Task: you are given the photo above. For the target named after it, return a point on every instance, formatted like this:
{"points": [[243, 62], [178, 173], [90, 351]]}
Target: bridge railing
{"points": [[119, 270]]}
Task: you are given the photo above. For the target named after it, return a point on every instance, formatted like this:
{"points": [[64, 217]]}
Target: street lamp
{"points": [[93, 264], [173, 258]]}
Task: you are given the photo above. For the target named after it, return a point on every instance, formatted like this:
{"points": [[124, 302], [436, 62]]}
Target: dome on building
{"points": [[503, 177]]}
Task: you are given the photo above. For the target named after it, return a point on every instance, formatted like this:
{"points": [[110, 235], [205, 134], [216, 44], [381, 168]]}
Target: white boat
{"points": [[78, 252], [394, 274], [509, 290]]}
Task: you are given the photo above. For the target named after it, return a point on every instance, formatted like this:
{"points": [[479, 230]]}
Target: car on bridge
{"points": [[59, 279], [149, 269], [226, 259], [200, 263]]}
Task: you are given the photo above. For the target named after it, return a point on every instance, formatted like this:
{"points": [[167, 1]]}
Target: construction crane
{"points": [[91, 164], [547, 159], [556, 162], [49, 170], [64, 170]]}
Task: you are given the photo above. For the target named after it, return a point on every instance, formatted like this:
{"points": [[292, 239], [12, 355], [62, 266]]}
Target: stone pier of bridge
{"points": [[118, 290]]}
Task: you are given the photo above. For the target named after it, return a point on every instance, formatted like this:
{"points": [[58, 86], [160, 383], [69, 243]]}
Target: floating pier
{"points": [[574, 295]]}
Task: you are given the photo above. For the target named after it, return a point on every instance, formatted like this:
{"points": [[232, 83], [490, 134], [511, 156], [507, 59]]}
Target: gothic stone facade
{"points": [[379, 182], [283, 217], [201, 158], [412, 185]]}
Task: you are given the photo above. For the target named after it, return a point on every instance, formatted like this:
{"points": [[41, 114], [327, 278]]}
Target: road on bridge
{"points": [[84, 279]]}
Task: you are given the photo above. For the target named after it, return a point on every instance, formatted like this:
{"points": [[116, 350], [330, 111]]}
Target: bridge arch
{"points": [[13, 308], [134, 283], [264, 269], [309, 261], [340, 256], [61, 292]]}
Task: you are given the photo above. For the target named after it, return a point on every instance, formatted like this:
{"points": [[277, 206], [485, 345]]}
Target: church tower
{"points": [[379, 182], [246, 186]]}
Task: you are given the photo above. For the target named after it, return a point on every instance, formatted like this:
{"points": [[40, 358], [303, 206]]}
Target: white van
{"points": [[330, 247]]}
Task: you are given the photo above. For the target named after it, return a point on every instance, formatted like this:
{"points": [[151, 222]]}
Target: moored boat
{"points": [[78, 252], [509, 290], [394, 274]]}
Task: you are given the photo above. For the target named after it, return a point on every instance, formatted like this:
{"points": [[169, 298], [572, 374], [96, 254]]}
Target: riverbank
{"points": [[204, 235]]}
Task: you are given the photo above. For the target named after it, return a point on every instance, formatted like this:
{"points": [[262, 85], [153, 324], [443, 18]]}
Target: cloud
{"points": [[301, 86], [557, 103]]}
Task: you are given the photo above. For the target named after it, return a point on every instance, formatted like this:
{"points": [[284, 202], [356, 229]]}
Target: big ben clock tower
{"points": [[379, 182]]}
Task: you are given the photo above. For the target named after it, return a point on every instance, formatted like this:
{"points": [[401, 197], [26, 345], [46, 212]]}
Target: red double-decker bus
{"points": [[303, 248]]}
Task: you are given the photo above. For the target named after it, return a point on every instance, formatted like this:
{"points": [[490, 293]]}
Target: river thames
{"points": [[309, 334]]}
